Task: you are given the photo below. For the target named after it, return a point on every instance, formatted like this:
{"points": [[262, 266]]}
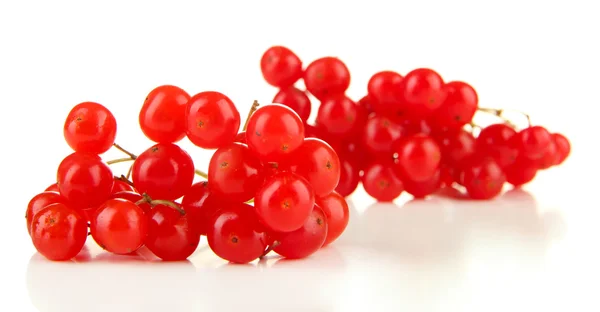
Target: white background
{"points": [[534, 251]]}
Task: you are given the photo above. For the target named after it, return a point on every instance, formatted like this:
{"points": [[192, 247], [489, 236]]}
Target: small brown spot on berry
{"points": [[200, 124], [224, 164], [52, 221], [234, 239], [329, 165], [385, 123], [154, 149], [383, 184], [320, 75], [320, 221], [431, 100], [284, 147], [257, 133], [457, 118], [286, 204], [78, 119]]}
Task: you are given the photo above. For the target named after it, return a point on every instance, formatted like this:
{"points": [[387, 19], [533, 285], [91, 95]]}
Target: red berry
{"points": [[326, 77], [337, 212], [532, 142], [284, 202], [349, 177], [458, 107], [521, 172], [39, 202], [84, 180], [385, 91], [419, 157], [274, 131], [90, 128], [483, 178], [549, 157], [381, 182], [132, 197], [119, 226], [423, 92], [280, 67], [120, 186], [200, 205], [366, 103], [171, 235], [52, 188], [164, 171], [58, 232], [340, 116], [212, 120], [319, 164], [495, 141], [235, 173], [295, 99], [236, 235], [455, 145], [162, 117], [306, 240], [422, 189], [379, 134], [563, 148], [240, 137]]}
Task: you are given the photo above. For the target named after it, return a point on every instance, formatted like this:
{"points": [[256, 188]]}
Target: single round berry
{"points": [[164, 171], [532, 142], [284, 202], [134, 198], [422, 189], [349, 177], [495, 141], [419, 157], [295, 99], [520, 172], [337, 212], [548, 158], [235, 173], [366, 103], [456, 145], [120, 186], [241, 137], [306, 240], [236, 235], [483, 178], [341, 117], [457, 108], [326, 77], [84, 180], [318, 163], [274, 131], [39, 202], [381, 182], [90, 128], [385, 91], [280, 67], [563, 148], [58, 232], [423, 92], [200, 205], [212, 120], [171, 235], [379, 134], [53, 188], [162, 117], [119, 226]]}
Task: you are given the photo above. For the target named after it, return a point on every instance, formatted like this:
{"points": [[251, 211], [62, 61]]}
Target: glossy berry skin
{"points": [[483, 178], [319, 164], [422, 189], [337, 214], [280, 67], [495, 141], [39, 202], [423, 92], [284, 202], [532, 142], [349, 177], [90, 128], [236, 235], [134, 198], [274, 131], [385, 91], [366, 103], [327, 77], [162, 117], [119, 226], [200, 205], [340, 116], [241, 137], [548, 158], [381, 182], [458, 107], [120, 186], [521, 172], [164, 171], [52, 188], [306, 240], [419, 157], [235, 173], [58, 232], [212, 120], [295, 99], [171, 235], [379, 134], [84, 180], [563, 147], [456, 145]]}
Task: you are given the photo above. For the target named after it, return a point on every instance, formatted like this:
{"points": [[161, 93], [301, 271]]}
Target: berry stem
{"points": [[129, 172], [270, 248], [126, 180], [201, 173], [500, 113], [130, 154], [119, 160], [252, 110], [153, 202]]}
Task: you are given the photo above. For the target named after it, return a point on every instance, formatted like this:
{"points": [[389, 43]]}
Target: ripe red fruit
{"points": [[366, 103], [419, 157], [52, 188], [379, 134], [483, 178], [327, 77], [457, 108], [119, 226], [563, 148], [306, 240], [84, 180], [39, 202], [120, 186], [385, 91], [90, 128], [162, 117], [212, 120], [381, 182], [235, 173], [164, 171], [337, 212], [548, 158], [456, 145], [423, 92], [240, 137], [274, 131], [280, 67], [200, 205], [284, 202], [340, 116], [532, 142], [521, 172], [58, 232], [349, 177], [295, 99], [422, 189], [236, 235], [132, 197], [318, 163], [171, 235], [495, 141]]}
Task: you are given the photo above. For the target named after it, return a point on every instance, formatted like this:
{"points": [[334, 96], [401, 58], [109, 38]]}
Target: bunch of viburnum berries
{"points": [[268, 188], [411, 133]]}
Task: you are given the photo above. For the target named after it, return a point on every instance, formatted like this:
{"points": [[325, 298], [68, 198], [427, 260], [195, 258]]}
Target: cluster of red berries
{"points": [[268, 188], [412, 133]]}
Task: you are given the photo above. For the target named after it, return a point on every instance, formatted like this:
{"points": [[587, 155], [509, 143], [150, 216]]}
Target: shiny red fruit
{"points": [[119, 226], [349, 177], [341, 117], [385, 92], [483, 178], [381, 182], [423, 92], [295, 99], [419, 157], [39, 202], [200, 205], [458, 107], [162, 116], [280, 67], [171, 235], [532, 142], [306, 240], [422, 189], [337, 212], [379, 134], [212, 120], [495, 141], [84, 180], [563, 147], [318, 163], [58, 232], [327, 77], [90, 128]]}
